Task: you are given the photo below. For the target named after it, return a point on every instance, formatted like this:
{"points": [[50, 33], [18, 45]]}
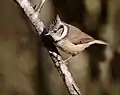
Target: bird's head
{"points": [[58, 29]]}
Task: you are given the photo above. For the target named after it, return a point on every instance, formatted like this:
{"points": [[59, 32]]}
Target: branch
{"points": [[57, 59], [62, 68], [32, 14]]}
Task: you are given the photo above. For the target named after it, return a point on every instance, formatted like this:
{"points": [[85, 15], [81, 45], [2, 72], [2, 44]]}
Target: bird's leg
{"points": [[39, 7], [68, 58], [65, 61]]}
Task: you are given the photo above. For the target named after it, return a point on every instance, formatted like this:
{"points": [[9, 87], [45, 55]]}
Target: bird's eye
{"points": [[55, 31]]}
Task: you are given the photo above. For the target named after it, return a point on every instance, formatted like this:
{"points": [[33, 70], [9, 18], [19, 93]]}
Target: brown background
{"points": [[25, 66]]}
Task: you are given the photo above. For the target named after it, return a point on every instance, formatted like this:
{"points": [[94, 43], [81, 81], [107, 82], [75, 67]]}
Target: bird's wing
{"points": [[71, 48], [76, 36]]}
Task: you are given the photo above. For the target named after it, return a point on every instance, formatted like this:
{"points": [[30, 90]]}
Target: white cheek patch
{"points": [[65, 32], [60, 33]]}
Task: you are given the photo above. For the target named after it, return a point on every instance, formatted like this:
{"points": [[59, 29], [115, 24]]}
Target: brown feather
{"points": [[78, 37]]}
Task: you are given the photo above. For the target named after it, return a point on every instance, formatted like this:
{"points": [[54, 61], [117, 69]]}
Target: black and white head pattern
{"points": [[58, 29]]}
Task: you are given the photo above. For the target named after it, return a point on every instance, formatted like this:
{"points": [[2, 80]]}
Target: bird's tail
{"points": [[98, 42]]}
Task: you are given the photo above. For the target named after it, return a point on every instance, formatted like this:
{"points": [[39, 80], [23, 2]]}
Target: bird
{"points": [[69, 38]]}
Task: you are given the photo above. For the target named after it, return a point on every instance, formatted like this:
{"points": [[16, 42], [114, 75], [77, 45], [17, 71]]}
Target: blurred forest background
{"points": [[25, 66]]}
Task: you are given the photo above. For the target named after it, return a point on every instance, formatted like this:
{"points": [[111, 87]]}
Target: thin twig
{"points": [[57, 59], [32, 14]]}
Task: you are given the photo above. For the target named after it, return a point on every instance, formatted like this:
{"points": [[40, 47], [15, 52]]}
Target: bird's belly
{"points": [[67, 51], [69, 48]]}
